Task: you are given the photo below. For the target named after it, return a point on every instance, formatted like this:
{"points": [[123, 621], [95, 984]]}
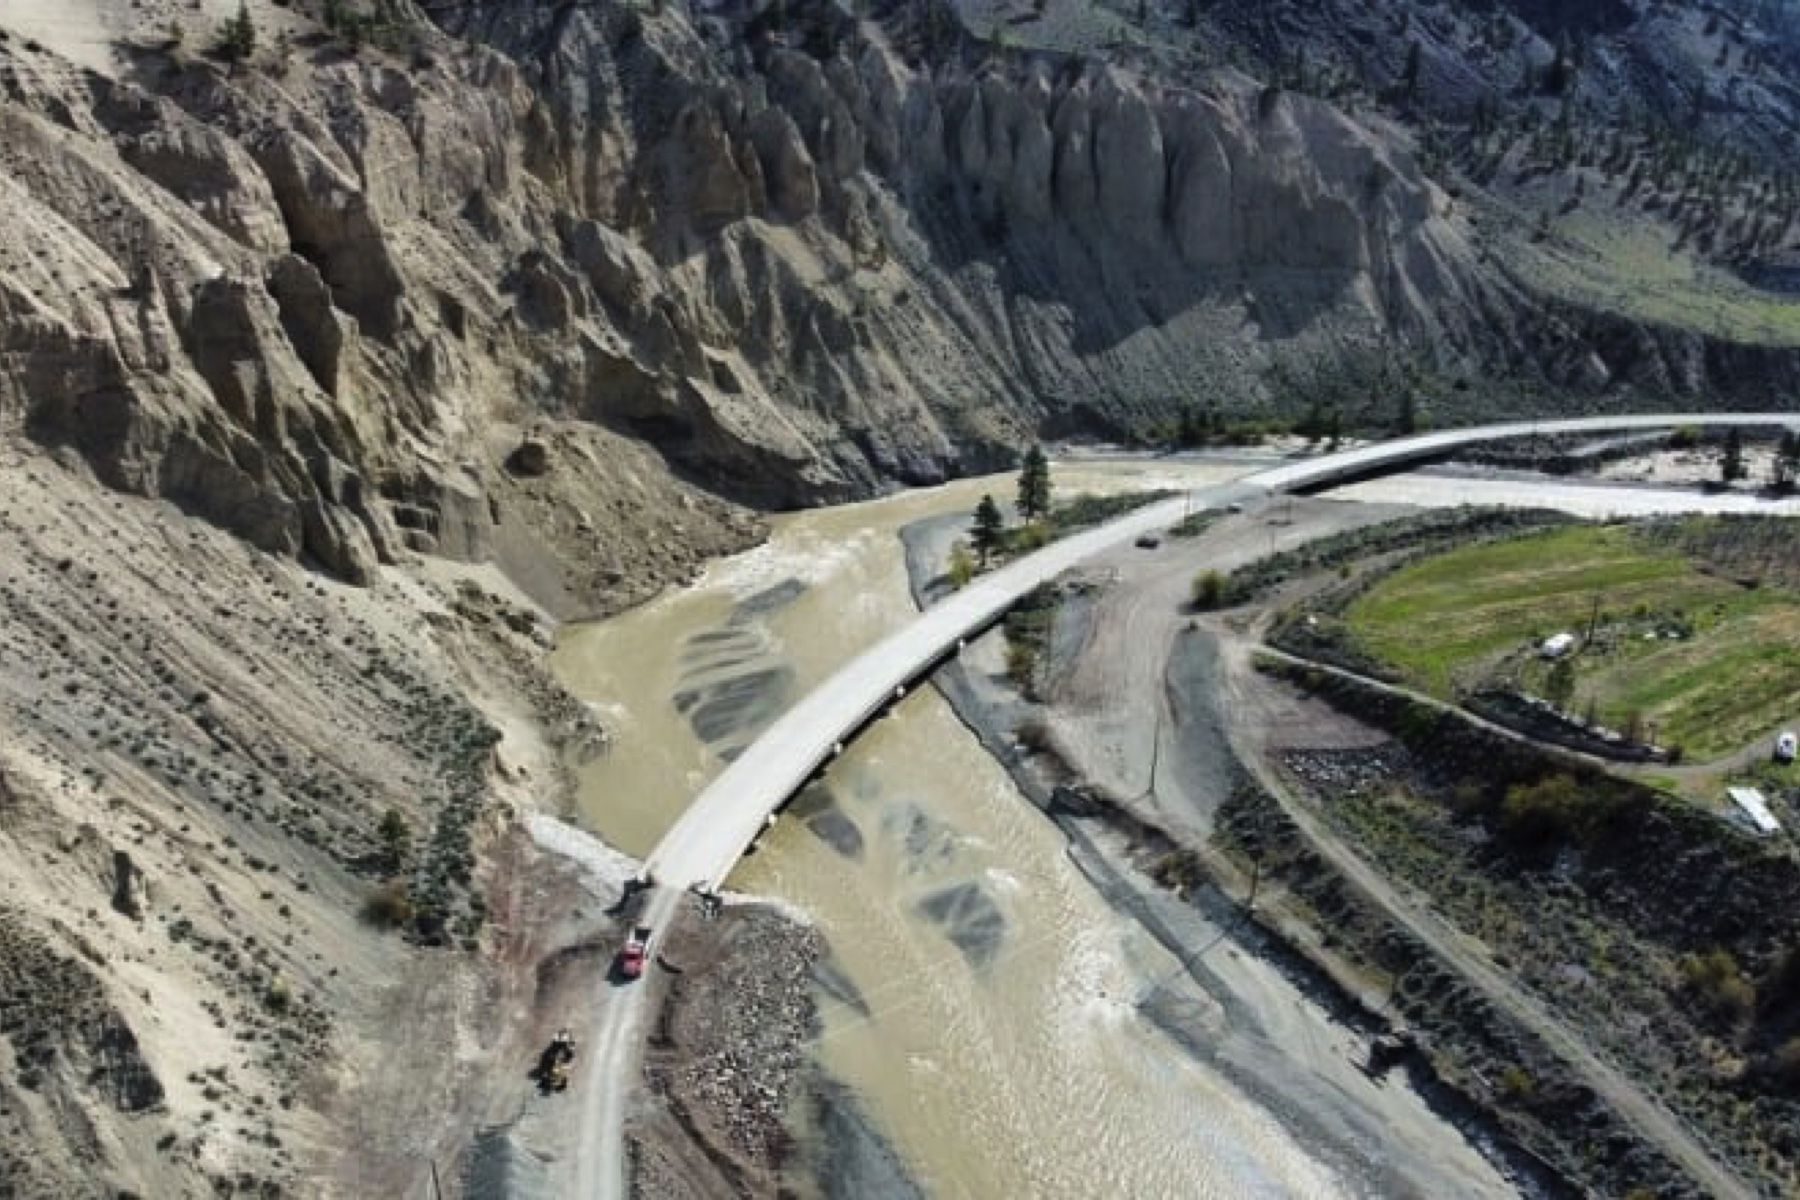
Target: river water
{"points": [[989, 1024]]}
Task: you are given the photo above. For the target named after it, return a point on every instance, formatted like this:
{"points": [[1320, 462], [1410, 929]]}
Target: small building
{"points": [[1557, 645], [1754, 810]]}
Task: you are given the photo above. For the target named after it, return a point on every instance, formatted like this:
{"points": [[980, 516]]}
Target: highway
{"points": [[715, 830], [712, 834]]}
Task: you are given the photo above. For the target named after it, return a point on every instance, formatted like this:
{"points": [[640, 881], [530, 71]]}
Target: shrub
{"points": [[1021, 665], [962, 565], [1717, 981], [1785, 1062], [1209, 589], [1516, 1083], [389, 906], [1558, 808], [1179, 869], [1027, 538], [396, 837]]}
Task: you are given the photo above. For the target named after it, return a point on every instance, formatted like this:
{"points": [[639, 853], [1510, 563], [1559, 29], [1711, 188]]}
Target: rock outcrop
{"points": [[796, 272]]}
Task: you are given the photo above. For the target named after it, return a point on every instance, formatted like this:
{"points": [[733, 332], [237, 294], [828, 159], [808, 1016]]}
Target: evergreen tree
{"points": [[1312, 425], [1731, 462], [1408, 419], [1191, 431], [990, 527], [237, 40], [1409, 78], [1034, 486], [396, 838]]}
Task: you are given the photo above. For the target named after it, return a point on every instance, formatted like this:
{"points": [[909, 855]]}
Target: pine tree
{"points": [[237, 40], [1312, 425], [989, 528], [1034, 486], [1786, 469], [1409, 78], [1408, 419], [1191, 431], [1731, 462], [396, 838]]}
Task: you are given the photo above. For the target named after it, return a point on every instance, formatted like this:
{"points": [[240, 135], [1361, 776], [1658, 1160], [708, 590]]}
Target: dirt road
{"points": [[1113, 704], [1249, 696]]}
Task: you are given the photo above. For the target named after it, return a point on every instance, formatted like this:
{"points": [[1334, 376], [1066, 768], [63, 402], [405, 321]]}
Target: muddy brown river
{"points": [[991, 1027]]}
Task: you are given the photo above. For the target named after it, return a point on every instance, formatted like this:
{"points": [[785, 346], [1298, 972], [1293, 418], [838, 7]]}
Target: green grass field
{"points": [[1627, 261], [1471, 616]]}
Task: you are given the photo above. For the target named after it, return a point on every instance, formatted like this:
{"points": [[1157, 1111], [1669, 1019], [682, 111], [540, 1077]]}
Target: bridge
{"points": [[722, 822], [703, 846]]}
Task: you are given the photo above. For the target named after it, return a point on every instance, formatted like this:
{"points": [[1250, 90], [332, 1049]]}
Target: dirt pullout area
{"points": [[1294, 1038], [219, 952]]}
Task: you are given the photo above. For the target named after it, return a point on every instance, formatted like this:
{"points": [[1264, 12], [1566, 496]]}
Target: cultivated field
{"points": [[1680, 647]]}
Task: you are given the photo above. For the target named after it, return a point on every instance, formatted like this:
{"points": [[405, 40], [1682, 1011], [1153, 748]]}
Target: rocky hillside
{"points": [[796, 253], [338, 361]]}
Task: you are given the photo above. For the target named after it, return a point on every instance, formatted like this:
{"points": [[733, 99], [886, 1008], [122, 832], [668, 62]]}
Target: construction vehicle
{"points": [[631, 956], [553, 1064]]}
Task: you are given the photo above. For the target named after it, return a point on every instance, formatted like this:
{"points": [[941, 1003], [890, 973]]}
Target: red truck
{"points": [[631, 956]]}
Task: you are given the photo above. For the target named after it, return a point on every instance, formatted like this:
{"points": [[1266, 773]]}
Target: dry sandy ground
{"points": [[86, 32], [1692, 467], [1232, 1005], [1106, 707]]}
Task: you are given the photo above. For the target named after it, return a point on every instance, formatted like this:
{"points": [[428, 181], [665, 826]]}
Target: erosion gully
{"points": [[998, 1045]]}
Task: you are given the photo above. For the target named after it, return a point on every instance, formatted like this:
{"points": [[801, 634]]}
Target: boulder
{"points": [[530, 458]]}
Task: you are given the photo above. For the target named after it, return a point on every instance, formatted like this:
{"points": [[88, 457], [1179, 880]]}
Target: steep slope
{"points": [[446, 322], [797, 260]]}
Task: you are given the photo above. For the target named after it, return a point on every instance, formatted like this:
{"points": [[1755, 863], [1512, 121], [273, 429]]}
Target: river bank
{"points": [[973, 970], [1291, 1034]]}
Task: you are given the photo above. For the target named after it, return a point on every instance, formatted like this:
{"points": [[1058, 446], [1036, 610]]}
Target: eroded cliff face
{"points": [[296, 297], [910, 268], [468, 294]]}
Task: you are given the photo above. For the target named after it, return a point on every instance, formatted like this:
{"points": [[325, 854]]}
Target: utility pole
{"points": [[1155, 751], [1593, 619], [1255, 879]]}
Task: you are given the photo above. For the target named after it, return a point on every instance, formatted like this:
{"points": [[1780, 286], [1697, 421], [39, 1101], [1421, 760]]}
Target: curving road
{"points": [[712, 834]]}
